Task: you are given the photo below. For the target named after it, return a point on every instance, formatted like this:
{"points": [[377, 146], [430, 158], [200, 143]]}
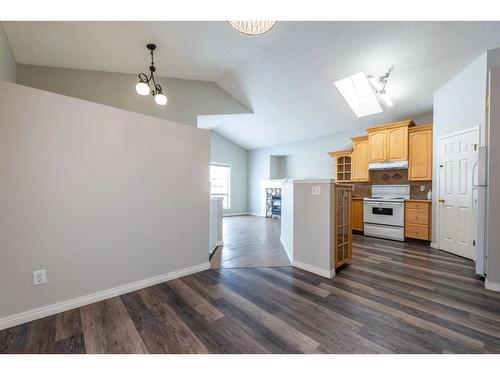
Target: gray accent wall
{"points": [[7, 62], [97, 196], [187, 99]]}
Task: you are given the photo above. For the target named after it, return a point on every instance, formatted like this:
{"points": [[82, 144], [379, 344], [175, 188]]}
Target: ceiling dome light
{"points": [[147, 85], [142, 88], [160, 99], [252, 27]]}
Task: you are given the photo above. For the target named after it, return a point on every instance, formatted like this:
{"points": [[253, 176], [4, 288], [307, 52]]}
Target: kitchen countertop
{"points": [[419, 200]]}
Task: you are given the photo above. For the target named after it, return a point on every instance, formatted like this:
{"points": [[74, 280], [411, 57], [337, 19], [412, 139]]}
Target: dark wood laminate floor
{"points": [[250, 241], [393, 298]]}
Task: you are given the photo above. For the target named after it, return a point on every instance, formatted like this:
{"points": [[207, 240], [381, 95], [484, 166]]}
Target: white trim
{"points": [[492, 286], [220, 243], [256, 214], [235, 214], [435, 202], [286, 251], [41, 312], [318, 271], [459, 132], [434, 245]]}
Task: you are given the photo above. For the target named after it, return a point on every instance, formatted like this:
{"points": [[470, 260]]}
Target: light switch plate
{"points": [[422, 187], [316, 190]]}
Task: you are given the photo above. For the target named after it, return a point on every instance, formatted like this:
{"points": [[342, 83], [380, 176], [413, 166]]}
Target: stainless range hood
{"points": [[400, 164]]}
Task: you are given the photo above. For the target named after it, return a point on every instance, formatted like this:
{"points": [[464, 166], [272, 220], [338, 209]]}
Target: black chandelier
{"points": [[147, 85]]}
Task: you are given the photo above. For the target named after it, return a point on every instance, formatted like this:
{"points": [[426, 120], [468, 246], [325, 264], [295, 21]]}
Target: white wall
{"points": [[287, 221], [7, 62], [99, 197], [493, 240], [460, 104], [224, 151], [312, 226]]}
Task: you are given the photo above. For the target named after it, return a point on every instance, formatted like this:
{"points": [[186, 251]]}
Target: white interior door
{"points": [[456, 213]]}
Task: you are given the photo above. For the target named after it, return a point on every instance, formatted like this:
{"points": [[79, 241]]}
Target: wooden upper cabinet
{"points": [[420, 150], [389, 142], [359, 170], [377, 146], [343, 161], [397, 143]]}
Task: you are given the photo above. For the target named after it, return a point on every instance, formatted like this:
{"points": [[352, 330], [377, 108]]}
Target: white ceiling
{"points": [[285, 76]]}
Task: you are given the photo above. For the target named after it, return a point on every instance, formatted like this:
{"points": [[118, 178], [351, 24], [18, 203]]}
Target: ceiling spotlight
{"points": [[252, 27], [147, 85], [379, 86], [388, 101]]}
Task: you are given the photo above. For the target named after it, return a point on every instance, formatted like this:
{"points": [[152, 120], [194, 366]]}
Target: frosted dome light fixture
{"points": [[160, 99], [147, 85], [252, 27]]}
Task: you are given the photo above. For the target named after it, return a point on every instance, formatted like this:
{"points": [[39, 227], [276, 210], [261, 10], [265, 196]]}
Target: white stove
{"points": [[384, 212]]}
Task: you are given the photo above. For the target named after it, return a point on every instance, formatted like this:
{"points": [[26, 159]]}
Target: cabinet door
{"points": [[357, 214], [420, 161], [397, 143], [343, 229], [360, 161], [344, 166], [377, 145]]}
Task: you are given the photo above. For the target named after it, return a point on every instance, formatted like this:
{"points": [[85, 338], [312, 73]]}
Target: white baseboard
{"points": [[235, 214], [318, 271], [492, 286], [220, 243], [434, 245], [286, 250], [255, 214], [42, 312]]}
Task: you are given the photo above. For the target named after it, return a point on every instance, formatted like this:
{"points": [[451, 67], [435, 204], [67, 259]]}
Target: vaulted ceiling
{"points": [[285, 76]]}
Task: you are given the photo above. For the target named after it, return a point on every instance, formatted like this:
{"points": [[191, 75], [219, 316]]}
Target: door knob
{"points": [[441, 200]]}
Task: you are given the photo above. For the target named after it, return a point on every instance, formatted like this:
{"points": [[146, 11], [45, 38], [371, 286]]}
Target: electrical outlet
{"points": [[316, 190], [422, 187], [39, 277]]}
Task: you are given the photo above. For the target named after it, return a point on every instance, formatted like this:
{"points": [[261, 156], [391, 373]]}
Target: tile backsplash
{"points": [[392, 177]]}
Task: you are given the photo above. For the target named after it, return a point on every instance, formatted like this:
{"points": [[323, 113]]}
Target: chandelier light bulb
{"points": [[160, 99], [142, 88]]}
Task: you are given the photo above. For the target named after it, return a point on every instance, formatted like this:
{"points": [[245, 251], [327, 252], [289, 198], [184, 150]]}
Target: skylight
{"points": [[359, 94]]}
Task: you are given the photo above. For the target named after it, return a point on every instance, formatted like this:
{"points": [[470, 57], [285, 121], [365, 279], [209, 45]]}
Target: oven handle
{"points": [[388, 204]]}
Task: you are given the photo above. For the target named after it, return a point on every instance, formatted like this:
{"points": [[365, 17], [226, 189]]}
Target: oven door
{"points": [[385, 213]]}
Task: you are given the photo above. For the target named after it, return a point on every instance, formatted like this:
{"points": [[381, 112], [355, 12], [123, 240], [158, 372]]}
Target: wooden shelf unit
{"points": [[342, 246]]}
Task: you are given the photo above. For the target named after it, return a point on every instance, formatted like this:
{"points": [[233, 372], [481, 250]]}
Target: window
{"points": [[219, 182]]}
